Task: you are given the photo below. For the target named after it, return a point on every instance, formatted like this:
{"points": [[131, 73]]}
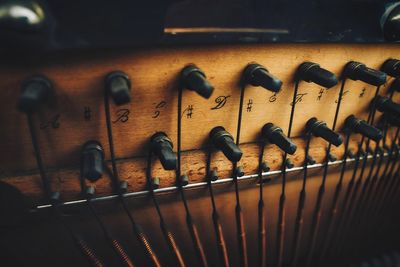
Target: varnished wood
{"points": [[78, 80]]}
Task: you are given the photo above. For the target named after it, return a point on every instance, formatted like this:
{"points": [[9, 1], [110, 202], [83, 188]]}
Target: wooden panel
{"points": [[78, 80]]}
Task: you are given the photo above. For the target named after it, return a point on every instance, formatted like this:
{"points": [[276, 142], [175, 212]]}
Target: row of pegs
{"points": [[38, 90]]}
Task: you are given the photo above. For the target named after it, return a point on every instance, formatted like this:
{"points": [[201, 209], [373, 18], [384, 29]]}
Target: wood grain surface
{"points": [[78, 80]]}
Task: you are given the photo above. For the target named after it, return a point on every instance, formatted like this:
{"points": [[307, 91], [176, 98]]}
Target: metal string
{"points": [[321, 192], [240, 228], [221, 244], [79, 242], [140, 235], [298, 225], [166, 232], [282, 198], [189, 221]]}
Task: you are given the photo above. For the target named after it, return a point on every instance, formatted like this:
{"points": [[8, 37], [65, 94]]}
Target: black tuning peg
{"points": [[391, 67], [362, 127], [35, 92], [391, 119], [395, 85], [223, 141], [358, 71], [257, 75], [312, 72], [276, 136], [162, 146], [194, 79], [118, 86], [92, 161], [320, 129], [385, 104]]}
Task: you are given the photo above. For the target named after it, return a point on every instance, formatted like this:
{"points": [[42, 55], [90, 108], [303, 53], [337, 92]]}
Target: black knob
{"points": [[363, 128], [276, 136], [358, 71], [162, 147], [92, 161], [257, 75], [312, 72], [23, 16], [320, 129], [118, 87], [35, 92], [391, 119], [385, 104], [395, 85], [223, 141], [390, 21], [391, 67], [194, 79]]}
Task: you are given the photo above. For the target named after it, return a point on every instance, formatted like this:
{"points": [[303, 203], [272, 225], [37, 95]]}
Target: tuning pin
{"points": [[276, 136], [358, 71], [184, 180], [90, 191], [265, 167], [213, 175], [55, 198], [312, 72], [123, 187], [310, 160], [391, 119], [257, 75], [289, 164], [391, 67], [362, 127], [118, 86], [92, 161], [162, 147], [35, 92], [385, 104], [223, 141], [320, 129], [395, 85], [332, 157], [155, 183], [194, 79], [239, 171]]}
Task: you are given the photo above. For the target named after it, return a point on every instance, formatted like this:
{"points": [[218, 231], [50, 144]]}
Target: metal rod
{"points": [[193, 186]]}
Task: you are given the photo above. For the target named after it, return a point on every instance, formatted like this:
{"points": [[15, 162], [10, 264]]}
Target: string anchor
{"points": [[312, 72], [119, 87], [391, 67], [359, 71], [257, 75], [385, 104], [275, 135], [320, 129], [194, 79], [162, 146], [223, 141], [92, 160], [35, 92], [363, 128]]}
